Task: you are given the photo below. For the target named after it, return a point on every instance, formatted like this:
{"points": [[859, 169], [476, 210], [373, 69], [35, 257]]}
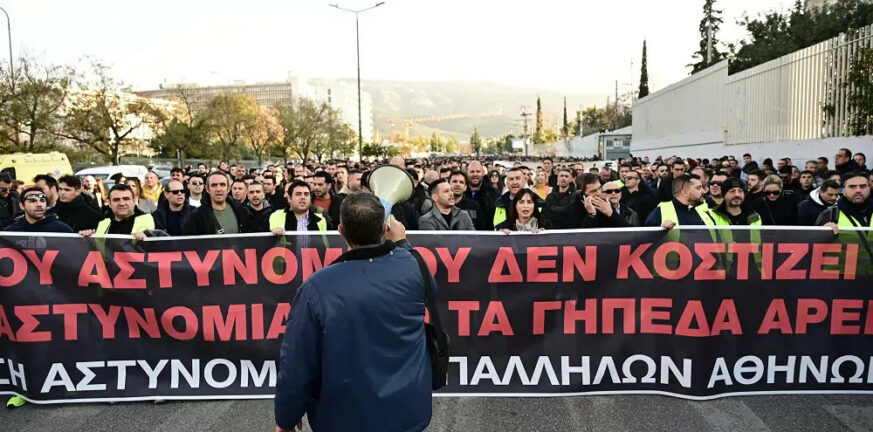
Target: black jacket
{"points": [[78, 214], [335, 203], [161, 216], [485, 197], [862, 212], [810, 208], [557, 202], [783, 211], [277, 200], [202, 221], [49, 223], [576, 216], [640, 201], [291, 221], [848, 167], [261, 218], [472, 208]]}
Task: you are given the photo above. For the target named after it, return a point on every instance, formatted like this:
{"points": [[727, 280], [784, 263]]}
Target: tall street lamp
{"points": [[358, 44], [9, 31]]}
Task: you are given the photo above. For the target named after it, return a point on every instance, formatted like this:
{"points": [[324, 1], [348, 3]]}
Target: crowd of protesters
{"points": [[452, 194]]}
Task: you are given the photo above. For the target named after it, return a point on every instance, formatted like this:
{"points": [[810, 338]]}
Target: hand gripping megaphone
{"points": [[392, 185]]}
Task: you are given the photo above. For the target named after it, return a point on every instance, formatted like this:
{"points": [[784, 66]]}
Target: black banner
{"points": [[692, 313]]}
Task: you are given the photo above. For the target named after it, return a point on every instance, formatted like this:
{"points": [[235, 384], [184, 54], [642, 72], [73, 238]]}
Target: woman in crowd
{"points": [[524, 215], [147, 206], [775, 208], [496, 181], [541, 187]]}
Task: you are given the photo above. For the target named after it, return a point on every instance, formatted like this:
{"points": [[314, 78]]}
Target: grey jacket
{"points": [[434, 221]]}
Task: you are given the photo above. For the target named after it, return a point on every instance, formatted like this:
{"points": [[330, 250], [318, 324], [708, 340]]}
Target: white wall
{"points": [[798, 151]]}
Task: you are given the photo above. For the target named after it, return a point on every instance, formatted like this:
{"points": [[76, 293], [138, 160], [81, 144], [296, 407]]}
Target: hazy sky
{"points": [[579, 46]]}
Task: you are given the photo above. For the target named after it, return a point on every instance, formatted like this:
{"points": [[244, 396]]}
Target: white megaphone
{"points": [[392, 185]]}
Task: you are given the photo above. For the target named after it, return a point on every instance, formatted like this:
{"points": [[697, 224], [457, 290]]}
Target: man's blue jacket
{"points": [[354, 356]]}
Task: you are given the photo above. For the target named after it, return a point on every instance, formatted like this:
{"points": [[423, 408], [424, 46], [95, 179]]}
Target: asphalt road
{"points": [[587, 413]]}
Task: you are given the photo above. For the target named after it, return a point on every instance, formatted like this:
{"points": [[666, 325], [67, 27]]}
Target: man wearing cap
{"points": [[733, 210]]}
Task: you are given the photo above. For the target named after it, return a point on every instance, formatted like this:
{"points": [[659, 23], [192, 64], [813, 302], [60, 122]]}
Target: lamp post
{"points": [[358, 45], [9, 31]]}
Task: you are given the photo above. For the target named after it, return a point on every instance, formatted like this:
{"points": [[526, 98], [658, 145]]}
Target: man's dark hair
{"points": [[854, 174], [71, 181], [807, 172], [120, 187], [6, 178], [830, 184], [271, 178], [432, 187], [823, 159], [677, 162], [412, 173], [459, 173], [325, 175], [786, 169], [30, 190], [680, 182], [239, 180], [758, 173], [848, 152], [747, 155], [363, 218], [568, 170], [831, 173], [194, 176], [548, 159], [215, 173], [584, 180], [175, 170], [49, 180], [296, 184], [445, 169], [513, 169]]}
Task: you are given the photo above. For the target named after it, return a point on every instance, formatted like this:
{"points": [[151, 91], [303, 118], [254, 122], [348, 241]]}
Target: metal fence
{"points": [[801, 96]]}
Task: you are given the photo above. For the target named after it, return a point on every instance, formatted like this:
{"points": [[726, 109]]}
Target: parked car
{"points": [[110, 171]]}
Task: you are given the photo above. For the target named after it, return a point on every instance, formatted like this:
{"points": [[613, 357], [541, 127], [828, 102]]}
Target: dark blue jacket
{"points": [[49, 223], [354, 356]]}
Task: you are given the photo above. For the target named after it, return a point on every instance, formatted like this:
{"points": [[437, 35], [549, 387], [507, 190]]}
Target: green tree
{"points": [[30, 106], [184, 131], [775, 34], [476, 142], [709, 26], [312, 129], [644, 74], [263, 133], [860, 92], [577, 125], [102, 115], [229, 116], [539, 138]]}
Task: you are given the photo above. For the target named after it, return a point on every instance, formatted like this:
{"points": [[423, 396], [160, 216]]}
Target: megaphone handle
{"points": [[387, 206]]}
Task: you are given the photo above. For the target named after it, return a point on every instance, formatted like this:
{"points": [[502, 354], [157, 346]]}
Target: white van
{"points": [[109, 171]]}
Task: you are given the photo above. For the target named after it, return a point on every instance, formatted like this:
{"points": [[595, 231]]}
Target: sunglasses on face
{"points": [[631, 178], [611, 191], [176, 192], [196, 184], [35, 198], [772, 193]]}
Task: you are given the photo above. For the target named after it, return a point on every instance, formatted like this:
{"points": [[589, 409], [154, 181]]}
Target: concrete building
{"points": [[340, 95]]}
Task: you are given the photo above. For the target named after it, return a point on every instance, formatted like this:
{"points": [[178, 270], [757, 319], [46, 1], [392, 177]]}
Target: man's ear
{"points": [[341, 230]]}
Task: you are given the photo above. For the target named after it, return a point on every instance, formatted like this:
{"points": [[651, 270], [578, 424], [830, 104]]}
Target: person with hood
{"points": [[734, 210], [444, 216], [258, 206], [853, 209], [72, 208], [36, 218], [126, 218], [817, 201], [775, 208], [844, 163], [218, 214], [173, 212]]}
